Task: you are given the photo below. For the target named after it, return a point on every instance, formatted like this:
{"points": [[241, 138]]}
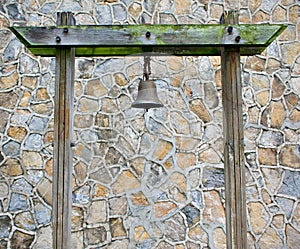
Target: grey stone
{"points": [[21, 186], [38, 123], [107, 134], [28, 65], [5, 226], [101, 175], [205, 68], [291, 184], [3, 189], [197, 198], [213, 177], [270, 138], [109, 66], [120, 13], [11, 148], [12, 50], [34, 142], [103, 14], [8, 100], [3, 120], [210, 95], [81, 195], [175, 228], [192, 214], [96, 235], [18, 202], [113, 157], [48, 7], [268, 5], [15, 11], [89, 136], [42, 213], [286, 205]]}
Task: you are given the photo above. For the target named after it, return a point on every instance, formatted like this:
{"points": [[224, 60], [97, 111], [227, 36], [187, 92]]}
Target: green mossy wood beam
{"points": [[122, 40]]}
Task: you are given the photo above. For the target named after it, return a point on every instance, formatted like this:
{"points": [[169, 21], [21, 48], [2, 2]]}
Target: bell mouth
{"points": [[147, 96]]}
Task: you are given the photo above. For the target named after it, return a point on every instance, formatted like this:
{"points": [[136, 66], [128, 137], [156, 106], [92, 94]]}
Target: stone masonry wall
{"points": [[150, 179]]}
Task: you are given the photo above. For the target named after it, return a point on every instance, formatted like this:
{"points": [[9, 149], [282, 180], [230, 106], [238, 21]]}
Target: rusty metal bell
{"points": [[147, 96]]}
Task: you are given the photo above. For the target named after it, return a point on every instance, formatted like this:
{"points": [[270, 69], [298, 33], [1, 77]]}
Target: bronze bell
{"points": [[147, 96]]}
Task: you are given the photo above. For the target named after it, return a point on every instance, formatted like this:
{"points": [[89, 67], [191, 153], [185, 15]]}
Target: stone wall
{"points": [[150, 179]]}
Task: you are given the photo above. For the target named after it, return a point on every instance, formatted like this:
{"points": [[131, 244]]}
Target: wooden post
{"points": [[63, 123], [235, 202]]}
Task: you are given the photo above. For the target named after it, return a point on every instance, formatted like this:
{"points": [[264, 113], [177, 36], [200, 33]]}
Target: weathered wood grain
{"points": [[121, 40]]}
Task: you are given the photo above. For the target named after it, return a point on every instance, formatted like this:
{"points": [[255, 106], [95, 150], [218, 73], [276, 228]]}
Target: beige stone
{"points": [[262, 98], [17, 132], [216, 11], [12, 168], [186, 143], [42, 94], [255, 63], [9, 80], [219, 238], [182, 7], [139, 199], [179, 180], [140, 234], [267, 156], [292, 237], [266, 196], [43, 108], [291, 100], [289, 34], [278, 221], [279, 14], [125, 181], [272, 65], [295, 116], [164, 208], [277, 88], [261, 17], [117, 206], [209, 156], [270, 239], [100, 191], [135, 9], [86, 105], [49, 167], [138, 165], [197, 106], [272, 178], [81, 172], [274, 115], [259, 217], [185, 160], [97, 212], [95, 88], [24, 102], [120, 79], [196, 233], [213, 210], [117, 227], [45, 190], [180, 123], [175, 63], [169, 164], [176, 80], [294, 14], [289, 156], [289, 50], [77, 217], [32, 159], [163, 148]]}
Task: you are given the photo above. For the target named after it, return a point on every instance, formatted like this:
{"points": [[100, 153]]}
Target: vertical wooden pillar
{"points": [[63, 124], [235, 202]]}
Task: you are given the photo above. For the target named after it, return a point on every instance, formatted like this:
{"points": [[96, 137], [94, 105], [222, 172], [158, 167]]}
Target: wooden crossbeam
{"points": [[122, 40]]}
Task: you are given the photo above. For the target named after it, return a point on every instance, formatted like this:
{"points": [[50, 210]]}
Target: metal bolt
{"points": [[229, 29], [58, 39], [66, 30], [238, 38], [148, 34]]}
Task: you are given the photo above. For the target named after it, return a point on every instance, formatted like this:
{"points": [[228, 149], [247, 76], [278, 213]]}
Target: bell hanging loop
{"points": [[147, 94]]}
